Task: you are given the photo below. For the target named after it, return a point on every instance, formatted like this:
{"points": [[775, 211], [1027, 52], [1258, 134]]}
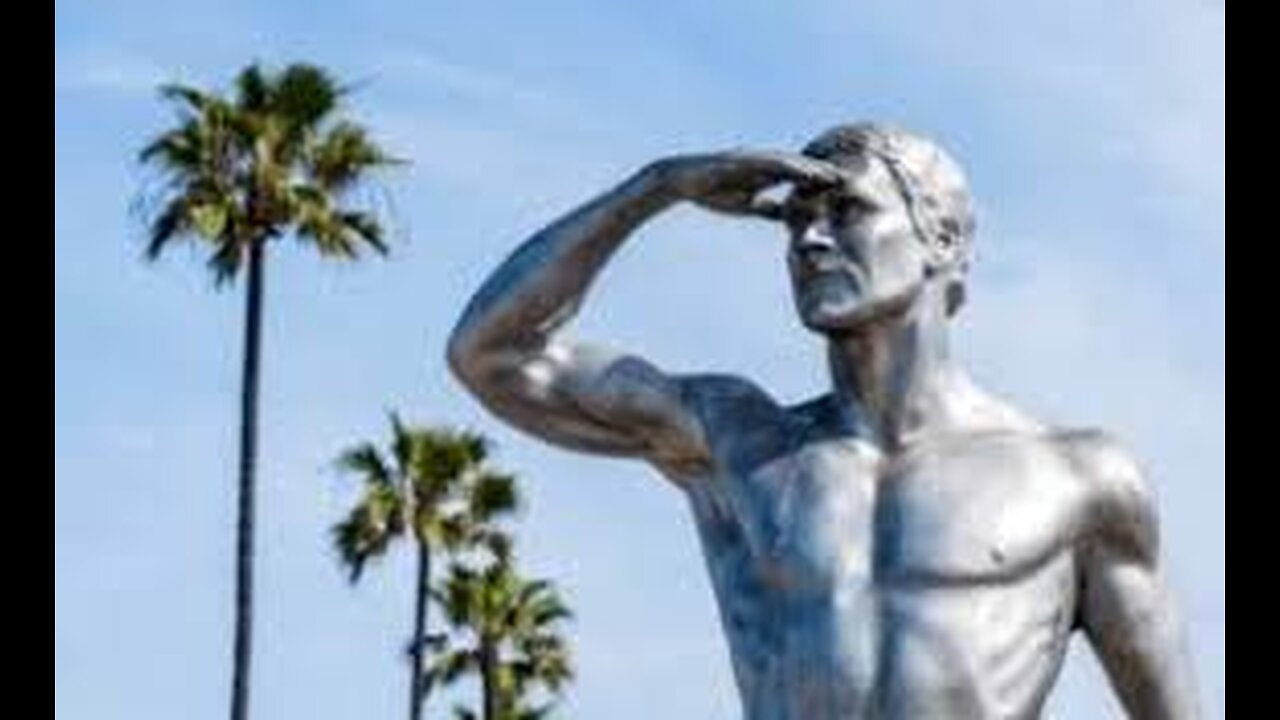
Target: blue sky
{"points": [[1094, 134]]}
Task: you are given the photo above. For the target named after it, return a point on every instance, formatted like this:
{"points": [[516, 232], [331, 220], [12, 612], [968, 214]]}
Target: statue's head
{"points": [[896, 233]]}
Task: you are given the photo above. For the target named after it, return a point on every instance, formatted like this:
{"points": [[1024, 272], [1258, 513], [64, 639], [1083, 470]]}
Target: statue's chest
{"points": [[839, 513]]}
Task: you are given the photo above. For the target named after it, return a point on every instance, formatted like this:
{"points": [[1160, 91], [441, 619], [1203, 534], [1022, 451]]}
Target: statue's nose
{"points": [[815, 239]]}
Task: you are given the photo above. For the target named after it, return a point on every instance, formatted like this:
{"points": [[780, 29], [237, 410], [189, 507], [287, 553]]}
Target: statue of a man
{"points": [[904, 546]]}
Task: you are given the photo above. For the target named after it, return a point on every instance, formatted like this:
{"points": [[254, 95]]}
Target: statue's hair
{"points": [[931, 183]]}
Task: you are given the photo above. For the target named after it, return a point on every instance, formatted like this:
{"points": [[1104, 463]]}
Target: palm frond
{"points": [[266, 159], [304, 95]]}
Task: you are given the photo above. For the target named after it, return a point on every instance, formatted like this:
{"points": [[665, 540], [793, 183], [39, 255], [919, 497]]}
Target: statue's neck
{"points": [[893, 376]]}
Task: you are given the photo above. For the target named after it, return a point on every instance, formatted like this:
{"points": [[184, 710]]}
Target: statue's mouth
{"points": [[823, 267]]}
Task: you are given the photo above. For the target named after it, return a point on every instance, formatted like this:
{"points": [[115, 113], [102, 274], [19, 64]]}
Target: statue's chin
{"points": [[850, 313]]}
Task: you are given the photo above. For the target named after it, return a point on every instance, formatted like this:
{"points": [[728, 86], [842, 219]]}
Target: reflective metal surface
{"points": [[904, 546]]}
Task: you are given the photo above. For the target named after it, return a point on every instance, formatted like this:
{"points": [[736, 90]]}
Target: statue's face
{"points": [[854, 257]]}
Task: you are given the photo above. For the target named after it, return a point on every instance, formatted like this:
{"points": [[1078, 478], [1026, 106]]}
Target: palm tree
{"points": [[431, 486], [511, 639], [238, 170]]}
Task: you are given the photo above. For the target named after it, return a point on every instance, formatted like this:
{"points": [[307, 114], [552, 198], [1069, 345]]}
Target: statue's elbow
{"points": [[465, 358]]}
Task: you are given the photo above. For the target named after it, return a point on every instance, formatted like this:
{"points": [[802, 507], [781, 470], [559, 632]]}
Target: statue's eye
{"points": [[847, 207], [799, 217]]}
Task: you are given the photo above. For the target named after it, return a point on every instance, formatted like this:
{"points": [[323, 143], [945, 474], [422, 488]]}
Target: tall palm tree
{"points": [[238, 170], [510, 638], [431, 487]]}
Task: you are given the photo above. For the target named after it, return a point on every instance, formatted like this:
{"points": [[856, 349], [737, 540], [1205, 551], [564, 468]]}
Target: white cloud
{"points": [[1141, 82], [471, 81], [105, 71]]}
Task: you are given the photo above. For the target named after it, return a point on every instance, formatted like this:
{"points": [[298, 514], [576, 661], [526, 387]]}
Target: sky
{"points": [[1094, 136]]}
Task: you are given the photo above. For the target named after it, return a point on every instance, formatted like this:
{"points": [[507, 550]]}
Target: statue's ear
{"points": [[951, 255], [955, 295], [950, 265]]}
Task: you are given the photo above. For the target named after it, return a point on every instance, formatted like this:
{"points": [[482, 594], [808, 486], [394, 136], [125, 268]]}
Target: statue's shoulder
{"points": [[1117, 503], [725, 400], [1121, 509], [1102, 459], [743, 423]]}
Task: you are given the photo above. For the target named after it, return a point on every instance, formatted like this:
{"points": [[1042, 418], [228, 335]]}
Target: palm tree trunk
{"points": [[417, 693], [488, 677], [242, 652]]}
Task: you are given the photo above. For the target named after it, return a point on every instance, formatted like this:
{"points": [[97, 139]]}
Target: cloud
{"points": [[1141, 84], [466, 80], [111, 72]]}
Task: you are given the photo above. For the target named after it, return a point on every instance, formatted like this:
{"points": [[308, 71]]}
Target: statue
{"points": [[904, 546]]}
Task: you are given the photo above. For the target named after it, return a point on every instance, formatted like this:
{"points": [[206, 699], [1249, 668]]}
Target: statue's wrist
{"points": [[650, 190]]}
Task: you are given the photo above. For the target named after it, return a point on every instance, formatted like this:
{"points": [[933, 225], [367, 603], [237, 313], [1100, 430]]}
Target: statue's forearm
{"points": [[540, 286]]}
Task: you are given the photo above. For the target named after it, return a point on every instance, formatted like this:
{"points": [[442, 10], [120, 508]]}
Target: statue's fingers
{"points": [[767, 209]]}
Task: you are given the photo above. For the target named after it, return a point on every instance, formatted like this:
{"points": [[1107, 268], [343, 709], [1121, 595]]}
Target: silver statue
{"points": [[905, 546]]}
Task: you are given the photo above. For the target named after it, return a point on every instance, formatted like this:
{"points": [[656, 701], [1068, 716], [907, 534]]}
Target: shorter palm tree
{"points": [[507, 632], [431, 487]]}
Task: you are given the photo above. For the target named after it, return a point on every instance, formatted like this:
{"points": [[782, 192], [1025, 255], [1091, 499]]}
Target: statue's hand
{"points": [[735, 182]]}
